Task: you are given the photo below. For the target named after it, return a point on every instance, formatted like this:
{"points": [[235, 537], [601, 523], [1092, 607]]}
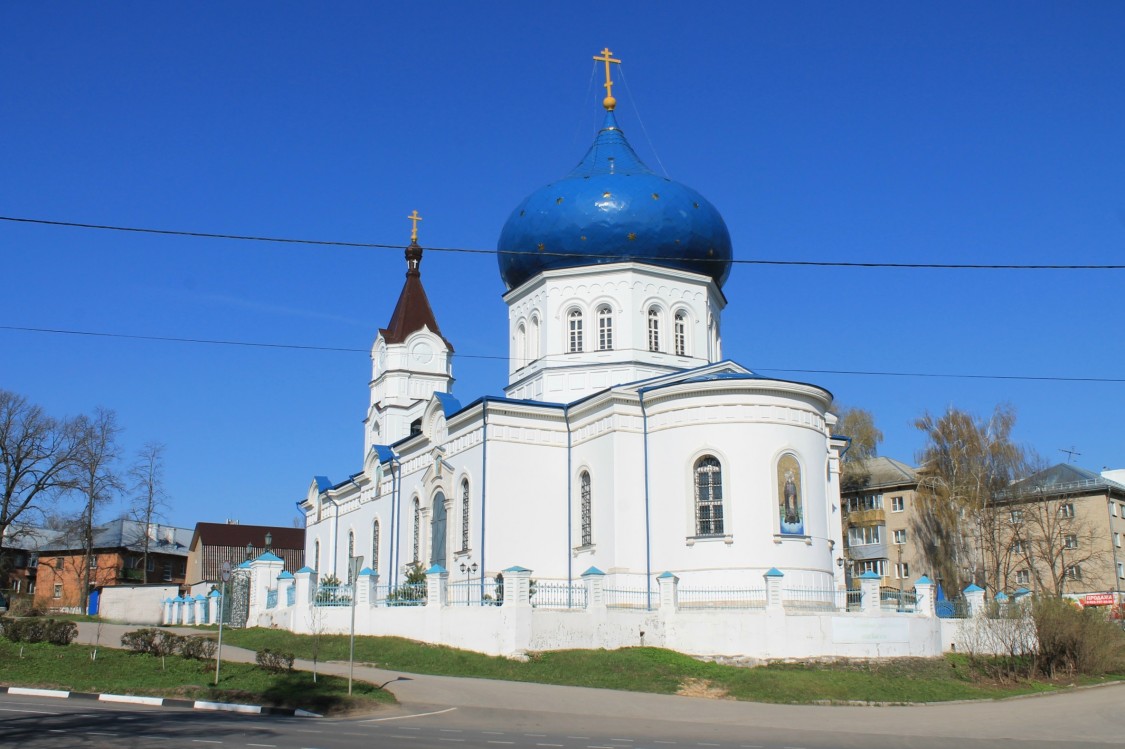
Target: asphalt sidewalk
{"points": [[1070, 717]]}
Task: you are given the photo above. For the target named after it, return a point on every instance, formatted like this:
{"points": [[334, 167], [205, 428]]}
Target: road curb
{"points": [[161, 702]]}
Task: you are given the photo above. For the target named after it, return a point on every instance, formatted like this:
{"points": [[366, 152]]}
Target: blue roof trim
{"points": [[449, 404], [974, 588], [384, 453], [774, 572], [870, 575], [593, 571], [322, 483]]}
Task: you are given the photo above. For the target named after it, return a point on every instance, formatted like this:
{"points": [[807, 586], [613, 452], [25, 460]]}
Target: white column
{"points": [[285, 581], [595, 588], [167, 619], [669, 592], [214, 602], [974, 598], [517, 587], [304, 580], [436, 579], [869, 583], [365, 587], [924, 592], [773, 589]]}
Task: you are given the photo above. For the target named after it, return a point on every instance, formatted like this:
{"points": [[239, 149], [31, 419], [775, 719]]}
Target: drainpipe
{"points": [[569, 509], [393, 555], [1113, 547], [648, 525], [483, 485]]}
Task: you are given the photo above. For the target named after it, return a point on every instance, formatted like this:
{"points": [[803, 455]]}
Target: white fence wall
{"points": [[135, 604]]}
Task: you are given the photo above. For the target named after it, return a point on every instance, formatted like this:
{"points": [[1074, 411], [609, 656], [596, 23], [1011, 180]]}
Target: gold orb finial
{"points": [[607, 57]]}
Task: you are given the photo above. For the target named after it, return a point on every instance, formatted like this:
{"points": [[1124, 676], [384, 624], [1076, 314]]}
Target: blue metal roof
{"points": [[449, 404], [612, 208], [322, 483]]}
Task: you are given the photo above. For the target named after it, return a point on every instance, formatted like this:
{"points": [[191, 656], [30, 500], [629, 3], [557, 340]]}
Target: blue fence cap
{"points": [[305, 569], [871, 575], [517, 568], [437, 569], [974, 588], [285, 575], [774, 572], [214, 594], [366, 572], [923, 580], [593, 571], [665, 575], [1001, 597]]}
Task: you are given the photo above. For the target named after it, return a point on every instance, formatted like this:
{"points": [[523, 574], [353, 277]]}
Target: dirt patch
{"points": [[701, 688]]}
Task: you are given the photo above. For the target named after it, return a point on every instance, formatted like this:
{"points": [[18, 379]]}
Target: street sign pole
{"points": [[354, 563], [222, 607]]}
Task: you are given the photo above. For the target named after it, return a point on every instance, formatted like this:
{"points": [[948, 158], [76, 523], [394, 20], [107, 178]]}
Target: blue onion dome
{"points": [[612, 208]]}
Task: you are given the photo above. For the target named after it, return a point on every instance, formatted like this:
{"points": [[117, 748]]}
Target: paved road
{"points": [[490, 714]]}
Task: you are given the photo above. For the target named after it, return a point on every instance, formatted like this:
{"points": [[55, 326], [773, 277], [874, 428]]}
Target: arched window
{"points": [[708, 497], [351, 546], [375, 545], [679, 334], [533, 339], [520, 352], [465, 515], [316, 555], [653, 329], [605, 328], [587, 526], [574, 331], [417, 530]]}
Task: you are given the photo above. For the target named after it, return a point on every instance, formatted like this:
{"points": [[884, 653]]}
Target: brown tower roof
{"points": [[413, 310]]}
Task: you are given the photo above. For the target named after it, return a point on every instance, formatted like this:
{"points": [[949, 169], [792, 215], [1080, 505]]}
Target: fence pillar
{"points": [[869, 583], [214, 606], [517, 587], [285, 581], [304, 583], [924, 597], [669, 592], [437, 578], [773, 589], [595, 588], [974, 599], [200, 609], [365, 587]]}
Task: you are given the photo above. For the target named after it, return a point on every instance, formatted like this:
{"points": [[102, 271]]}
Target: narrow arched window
{"points": [[533, 339], [708, 497], [605, 328], [679, 334], [520, 352], [316, 555], [375, 546], [574, 331], [417, 530], [653, 329], [587, 524], [464, 515], [351, 546]]}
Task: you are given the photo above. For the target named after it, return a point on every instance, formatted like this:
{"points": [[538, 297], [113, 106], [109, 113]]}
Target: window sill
{"points": [[462, 553], [782, 537], [726, 538], [580, 550]]}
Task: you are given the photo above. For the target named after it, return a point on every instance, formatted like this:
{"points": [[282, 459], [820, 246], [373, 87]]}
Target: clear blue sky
{"points": [[960, 132]]}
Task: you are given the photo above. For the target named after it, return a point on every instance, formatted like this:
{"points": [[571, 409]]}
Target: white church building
{"points": [[629, 473]]}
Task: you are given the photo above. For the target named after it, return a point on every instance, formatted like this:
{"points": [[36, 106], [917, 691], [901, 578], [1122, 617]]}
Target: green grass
{"points": [[664, 671], [119, 672]]}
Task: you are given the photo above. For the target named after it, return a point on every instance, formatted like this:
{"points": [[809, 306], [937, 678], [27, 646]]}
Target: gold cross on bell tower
{"points": [[608, 102], [414, 218]]}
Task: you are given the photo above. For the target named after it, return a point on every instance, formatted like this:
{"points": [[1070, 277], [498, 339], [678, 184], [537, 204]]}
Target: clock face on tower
{"points": [[422, 353], [381, 358]]}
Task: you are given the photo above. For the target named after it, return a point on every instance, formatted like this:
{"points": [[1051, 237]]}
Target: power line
{"points": [[302, 347], [549, 253]]}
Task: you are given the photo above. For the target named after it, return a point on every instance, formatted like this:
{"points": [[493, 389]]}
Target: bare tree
{"points": [[858, 424], [37, 457], [965, 464], [95, 478], [1054, 541], [149, 498]]}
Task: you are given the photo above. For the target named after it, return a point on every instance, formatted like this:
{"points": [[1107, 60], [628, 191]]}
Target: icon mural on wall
{"points": [[791, 508]]}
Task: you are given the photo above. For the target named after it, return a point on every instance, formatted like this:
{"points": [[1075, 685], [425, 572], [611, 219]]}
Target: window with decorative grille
{"points": [[680, 334], [708, 497], [587, 530], [574, 328], [464, 516], [654, 329], [605, 329]]}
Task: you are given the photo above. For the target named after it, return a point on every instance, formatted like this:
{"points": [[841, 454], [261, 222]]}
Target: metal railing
{"points": [[546, 594], [722, 598], [894, 600], [631, 598], [333, 595], [407, 594], [475, 593], [813, 599], [853, 599]]}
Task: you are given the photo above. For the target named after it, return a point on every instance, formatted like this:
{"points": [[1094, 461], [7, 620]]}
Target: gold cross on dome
{"points": [[609, 102], [414, 218]]}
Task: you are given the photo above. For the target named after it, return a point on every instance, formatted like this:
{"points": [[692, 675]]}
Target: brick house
{"points": [[117, 559]]}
